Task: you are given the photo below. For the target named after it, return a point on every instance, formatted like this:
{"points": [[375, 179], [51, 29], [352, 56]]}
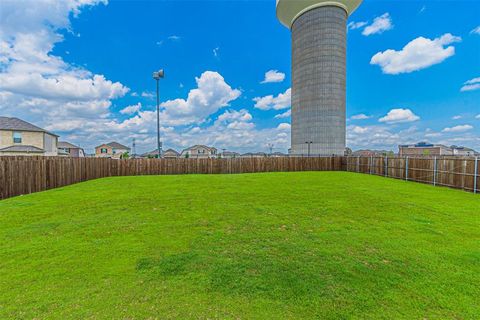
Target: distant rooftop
{"points": [[13, 124], [68, 145], [115, 145]]}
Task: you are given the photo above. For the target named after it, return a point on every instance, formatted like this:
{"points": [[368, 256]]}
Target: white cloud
{"points": [[131, 109], [356, 25], [273, 76], [360, 116], [172, 38], [281, 101], [65, 85], [422, 9], [399, 116], [380, 25], [212, 93], [475, 30], [461, 128], [418, 54], [433, 134], [39, 86], [457, 117], [471, 85], [286, 114], [478, 116], [216, 52], [148, 95], [232, 115], [284, 126], [373, 137]]}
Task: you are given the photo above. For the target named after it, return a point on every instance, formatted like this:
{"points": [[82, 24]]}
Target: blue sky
{"points": [[83, 70]]}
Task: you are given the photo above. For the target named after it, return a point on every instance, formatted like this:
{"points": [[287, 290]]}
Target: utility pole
{"points": [[134, 152], [157, 75]]}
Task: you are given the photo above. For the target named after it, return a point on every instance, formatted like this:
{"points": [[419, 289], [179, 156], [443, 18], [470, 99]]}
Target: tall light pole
{"points": [[157, 75]]}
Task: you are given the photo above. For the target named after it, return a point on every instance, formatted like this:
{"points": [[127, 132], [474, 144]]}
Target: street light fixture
{"points": [[157, 75]]}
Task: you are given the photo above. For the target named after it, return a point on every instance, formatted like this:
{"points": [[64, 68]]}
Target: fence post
{"points": [[475, 176], [406, 168], [434, 171], [358, 164], [386, 166]]}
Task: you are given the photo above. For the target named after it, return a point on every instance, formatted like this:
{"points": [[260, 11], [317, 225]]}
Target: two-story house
{"points": [[20, 138], [111, 150], [199, 151], [70, 150]]}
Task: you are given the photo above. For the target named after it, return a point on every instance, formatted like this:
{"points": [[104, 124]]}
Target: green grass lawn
{"points": [[328, 245]]}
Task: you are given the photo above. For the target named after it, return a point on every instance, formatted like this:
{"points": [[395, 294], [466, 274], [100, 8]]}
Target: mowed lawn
{"points": [[328, 245]]}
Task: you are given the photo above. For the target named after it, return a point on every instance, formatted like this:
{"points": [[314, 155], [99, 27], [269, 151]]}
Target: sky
{"points": [[83, 70]]}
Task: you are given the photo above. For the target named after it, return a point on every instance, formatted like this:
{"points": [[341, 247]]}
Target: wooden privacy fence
{"points": [[454, 172], [23, 175]]}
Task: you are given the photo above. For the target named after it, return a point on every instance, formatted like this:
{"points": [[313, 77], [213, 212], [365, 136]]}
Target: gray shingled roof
{"points": [[200, 146], [150, 153], [171, 150], [31, 149], [7, 123], [117, 145], [114, 145], [64, 144]]}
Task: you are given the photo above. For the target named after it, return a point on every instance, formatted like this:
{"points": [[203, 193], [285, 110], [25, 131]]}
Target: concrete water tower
{"points": [[319, 41]]}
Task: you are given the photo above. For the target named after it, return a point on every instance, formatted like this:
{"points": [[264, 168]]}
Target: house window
{"points": [[114, 151], [17, 137], [103, 150]]}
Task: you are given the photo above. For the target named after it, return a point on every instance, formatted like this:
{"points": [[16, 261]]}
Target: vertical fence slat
{"points": [[475, 176]]}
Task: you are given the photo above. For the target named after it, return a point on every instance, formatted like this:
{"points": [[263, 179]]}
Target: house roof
{"points": [[153, 153], [12, 124], [22, 148], [171, 150], [199, 146], [230, 153], [462, 148], [64, 144], [114, 145], [117, 145]]}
